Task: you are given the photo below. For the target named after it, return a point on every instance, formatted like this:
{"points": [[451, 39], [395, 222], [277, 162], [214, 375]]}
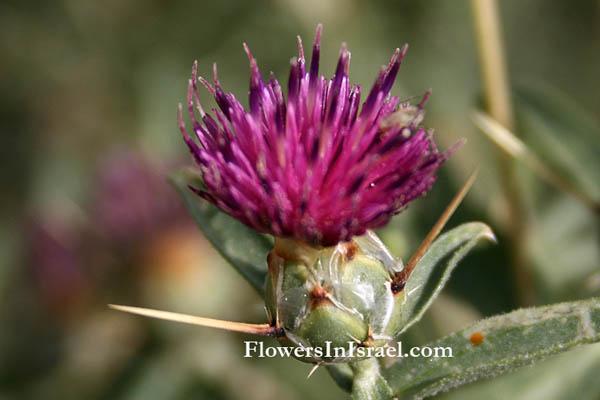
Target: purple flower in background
{"points": [[133, 199], [56, 261], [317, 167]]}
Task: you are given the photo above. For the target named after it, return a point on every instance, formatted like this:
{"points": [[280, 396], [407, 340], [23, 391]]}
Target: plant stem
{"points": [[368, 382], [498, 103]]}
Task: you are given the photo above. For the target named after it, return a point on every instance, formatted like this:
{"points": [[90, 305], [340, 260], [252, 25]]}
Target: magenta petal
{"points": [[314, 167]]}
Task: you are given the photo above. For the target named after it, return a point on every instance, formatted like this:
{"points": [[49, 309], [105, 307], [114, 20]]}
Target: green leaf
{"points": [[571, 375], [562, 134], [565, 253], [429, 276], [556, 139], [241, 246], [510, 341]]}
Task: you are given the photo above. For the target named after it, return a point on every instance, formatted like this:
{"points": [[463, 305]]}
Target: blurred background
{"points": [[88, 95]]}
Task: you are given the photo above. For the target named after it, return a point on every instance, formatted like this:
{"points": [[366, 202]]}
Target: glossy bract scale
{"points": [[330, 296]]}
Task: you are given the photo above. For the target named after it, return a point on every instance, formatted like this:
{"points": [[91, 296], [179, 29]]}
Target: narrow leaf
{"points": [[562, 133], [428, 277], [508, 341], [545, 168], [565, 234], [241, 246], [571, 375]]}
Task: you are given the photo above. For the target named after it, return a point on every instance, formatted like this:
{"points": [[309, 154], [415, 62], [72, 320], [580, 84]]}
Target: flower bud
{"points": [[330, 296]]}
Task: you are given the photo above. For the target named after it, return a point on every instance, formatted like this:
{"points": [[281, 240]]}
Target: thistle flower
{"points": [[317, 167], [317, 172], [133, 201]]}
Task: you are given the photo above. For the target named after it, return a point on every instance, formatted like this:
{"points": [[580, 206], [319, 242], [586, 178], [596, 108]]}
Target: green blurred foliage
{"points": [[83, 80]]}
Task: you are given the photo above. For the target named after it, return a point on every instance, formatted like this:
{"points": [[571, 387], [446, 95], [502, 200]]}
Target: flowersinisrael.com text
{"points": [[258, 349]]}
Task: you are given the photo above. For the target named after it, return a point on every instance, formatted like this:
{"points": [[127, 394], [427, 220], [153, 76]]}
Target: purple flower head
{"points": [[133, 200], [318, 167]]}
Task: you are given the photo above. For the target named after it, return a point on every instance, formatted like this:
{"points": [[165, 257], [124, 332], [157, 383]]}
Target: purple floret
{"points": [[317, 167]]}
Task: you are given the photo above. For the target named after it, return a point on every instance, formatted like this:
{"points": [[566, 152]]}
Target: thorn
{"points": [[277, 320], [269, 316], [382, 337], [410, 292], [357, 341], [402, 276], [315, 366], [254, 329]]}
